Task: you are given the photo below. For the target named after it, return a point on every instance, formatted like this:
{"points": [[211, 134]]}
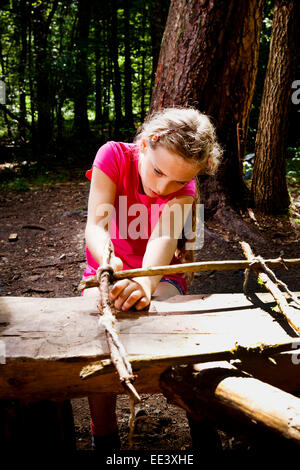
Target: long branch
{"points": [[191, 267], [107, 320]]}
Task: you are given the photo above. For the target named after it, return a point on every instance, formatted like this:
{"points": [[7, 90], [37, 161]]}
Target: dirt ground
{"points": [[47, 260]]}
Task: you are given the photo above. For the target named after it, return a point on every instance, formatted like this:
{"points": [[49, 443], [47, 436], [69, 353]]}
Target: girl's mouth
{"points": [[153, 194]]}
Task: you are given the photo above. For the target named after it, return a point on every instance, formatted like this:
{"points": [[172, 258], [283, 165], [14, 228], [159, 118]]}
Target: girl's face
{"points": [[163, 172]]}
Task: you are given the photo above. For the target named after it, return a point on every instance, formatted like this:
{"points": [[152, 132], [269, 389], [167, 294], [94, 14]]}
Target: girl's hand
{"points": [[128, 292]]}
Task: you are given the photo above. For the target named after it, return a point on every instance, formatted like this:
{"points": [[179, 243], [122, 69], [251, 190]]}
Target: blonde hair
{"points": [[185, 132], [189, 133]]}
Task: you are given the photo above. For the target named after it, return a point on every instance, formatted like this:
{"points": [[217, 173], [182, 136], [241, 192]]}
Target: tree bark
{"points": [[158, 14], [269, 186], [209, 59]]}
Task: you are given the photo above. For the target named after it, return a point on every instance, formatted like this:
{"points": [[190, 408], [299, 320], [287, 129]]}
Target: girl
{"points": [[151, 177]]}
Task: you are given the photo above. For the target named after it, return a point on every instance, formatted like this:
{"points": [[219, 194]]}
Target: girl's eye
{"points": [[157, 172]]}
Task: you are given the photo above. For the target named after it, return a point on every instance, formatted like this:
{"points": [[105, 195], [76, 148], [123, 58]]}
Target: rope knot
{"points": [[104, 268]]}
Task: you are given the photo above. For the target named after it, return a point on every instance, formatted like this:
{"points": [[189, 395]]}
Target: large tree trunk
{"points": [[209, 59], [158, 13], [269, 174]]}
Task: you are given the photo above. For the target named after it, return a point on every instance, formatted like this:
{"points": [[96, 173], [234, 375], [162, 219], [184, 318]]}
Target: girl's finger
{"points": [[124, 295], [132, 299], [118, 287], [142, 303]]}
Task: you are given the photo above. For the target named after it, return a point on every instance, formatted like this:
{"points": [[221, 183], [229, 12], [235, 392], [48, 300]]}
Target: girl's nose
{"points": [[163, 187]]}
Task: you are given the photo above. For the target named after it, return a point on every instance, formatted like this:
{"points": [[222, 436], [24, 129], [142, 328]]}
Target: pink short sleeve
{"points": [[107, 161]]}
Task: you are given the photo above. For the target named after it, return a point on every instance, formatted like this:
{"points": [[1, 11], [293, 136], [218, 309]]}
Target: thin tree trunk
{"points": [[116, 69], [98, 47], [269, 186], [143, 64], [98, 88], [31, 89], [128, 71], [60, 90], [107, 73], [6, 120], [23, 23], [44, 89], [81, 122]]}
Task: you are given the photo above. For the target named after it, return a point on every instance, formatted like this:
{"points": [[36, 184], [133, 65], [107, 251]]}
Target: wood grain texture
{"points": [[48, 341]]}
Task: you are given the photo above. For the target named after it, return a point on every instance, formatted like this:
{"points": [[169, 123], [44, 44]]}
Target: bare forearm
{"points": [[159, 252], [96, 238]]}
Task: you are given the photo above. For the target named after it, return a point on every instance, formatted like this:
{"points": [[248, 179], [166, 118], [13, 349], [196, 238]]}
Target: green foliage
{"points": [[33, 40], [293, 166], [18, 184], [25, 55], [24, 177]]}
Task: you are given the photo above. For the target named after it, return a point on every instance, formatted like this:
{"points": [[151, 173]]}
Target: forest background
{"points": [[75, 74]]}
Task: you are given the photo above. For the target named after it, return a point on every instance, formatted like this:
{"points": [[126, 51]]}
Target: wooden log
{"points": [[221, 393], [191, 267], [47, 342]]}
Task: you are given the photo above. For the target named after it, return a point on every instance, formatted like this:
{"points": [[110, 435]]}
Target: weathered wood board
{"points": [[48, 341]]}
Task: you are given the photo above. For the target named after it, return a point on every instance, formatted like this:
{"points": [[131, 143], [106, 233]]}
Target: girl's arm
{"points": [[162, 244], [160, 251], [100, 211]]}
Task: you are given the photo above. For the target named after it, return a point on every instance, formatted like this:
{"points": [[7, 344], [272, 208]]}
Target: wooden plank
{"points": [[48, 341]]}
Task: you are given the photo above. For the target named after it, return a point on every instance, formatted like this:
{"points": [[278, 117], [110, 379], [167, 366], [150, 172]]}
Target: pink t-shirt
{"points": [[135, 213]]}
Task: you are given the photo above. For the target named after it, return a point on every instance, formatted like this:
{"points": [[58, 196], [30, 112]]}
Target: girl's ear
{"points": [[143, 145]]}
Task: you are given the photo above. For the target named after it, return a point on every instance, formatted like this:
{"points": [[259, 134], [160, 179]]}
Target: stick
{"points": [[269, 284], [107, 320], [190, 267]]}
